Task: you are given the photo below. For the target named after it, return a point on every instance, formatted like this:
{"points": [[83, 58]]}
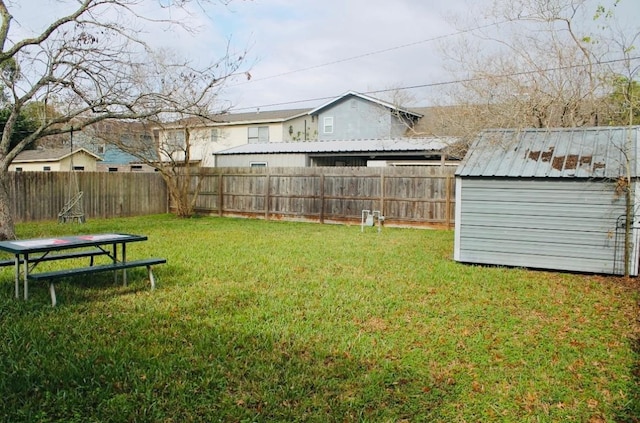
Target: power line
{"points": [[443, 83], [371, 53]]}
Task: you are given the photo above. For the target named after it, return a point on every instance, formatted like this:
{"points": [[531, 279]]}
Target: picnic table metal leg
{"points": [[115, 260], [124, 260], [26, 276], [52, 291], [152, 280], [17, 275]]}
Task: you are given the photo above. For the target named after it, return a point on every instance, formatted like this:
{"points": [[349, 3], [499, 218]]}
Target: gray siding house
{"points": [[357, 116], [548, 199]]}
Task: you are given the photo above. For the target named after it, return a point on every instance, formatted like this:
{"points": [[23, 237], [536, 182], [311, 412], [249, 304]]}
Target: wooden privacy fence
{"points": [[416, 196], [41, 195]]}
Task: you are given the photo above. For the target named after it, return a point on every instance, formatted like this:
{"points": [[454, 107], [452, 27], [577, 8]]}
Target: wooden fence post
{"points": [[322, 198], [382, 191], [220, 192], [267, 195], [448, 201]]}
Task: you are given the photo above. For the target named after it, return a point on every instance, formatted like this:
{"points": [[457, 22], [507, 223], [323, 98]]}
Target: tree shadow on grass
{"points": [[189, 364]]}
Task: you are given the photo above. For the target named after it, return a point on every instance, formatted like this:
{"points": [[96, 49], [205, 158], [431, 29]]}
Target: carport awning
{"points": [[347, 146]]}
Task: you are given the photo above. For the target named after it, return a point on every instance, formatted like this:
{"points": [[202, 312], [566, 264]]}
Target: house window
{"points": [[126, 139], [327, 128], [47, 168], [258, 134], [175, 141], [146, 140], [18, 169], [136, 168], [113, 169], [258, 164], [81, 168], [215, 134]]}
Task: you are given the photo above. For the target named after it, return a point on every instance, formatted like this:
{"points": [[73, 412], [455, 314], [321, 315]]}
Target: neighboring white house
{"points": [[231, 130], [55, 160]]}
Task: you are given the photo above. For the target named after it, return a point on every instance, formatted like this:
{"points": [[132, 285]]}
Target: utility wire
{"points": [[442, 83], [371, 53]]}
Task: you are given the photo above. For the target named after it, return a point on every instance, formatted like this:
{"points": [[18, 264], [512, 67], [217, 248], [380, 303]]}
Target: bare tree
{"points": [[94, 64], [171, 141], [174, 149], [548, 63], [531, 63], [625, 105]]}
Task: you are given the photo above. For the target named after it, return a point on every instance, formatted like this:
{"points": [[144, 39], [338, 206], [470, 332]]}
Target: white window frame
{"points": [[257, 164], [175, 140], [327, 125], [257, 134]]}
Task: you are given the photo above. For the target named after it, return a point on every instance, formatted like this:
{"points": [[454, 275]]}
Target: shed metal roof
{"points": [[594, 152], [343, 146]]}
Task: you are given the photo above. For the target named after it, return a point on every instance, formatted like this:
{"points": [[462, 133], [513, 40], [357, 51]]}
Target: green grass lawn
{"points": [[274, 321]]}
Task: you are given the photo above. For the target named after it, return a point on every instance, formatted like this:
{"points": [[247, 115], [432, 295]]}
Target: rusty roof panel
{"points": [[595, 152]]}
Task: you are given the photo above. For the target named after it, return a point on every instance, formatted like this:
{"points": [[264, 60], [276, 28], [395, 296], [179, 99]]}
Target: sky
{"points": [[302, 53]]}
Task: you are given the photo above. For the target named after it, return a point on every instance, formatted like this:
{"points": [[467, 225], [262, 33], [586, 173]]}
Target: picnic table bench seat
{"points": [[66, 273]]}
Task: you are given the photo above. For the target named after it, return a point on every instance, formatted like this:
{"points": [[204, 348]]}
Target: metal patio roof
{"points": [[593, 152], [343, 146]]}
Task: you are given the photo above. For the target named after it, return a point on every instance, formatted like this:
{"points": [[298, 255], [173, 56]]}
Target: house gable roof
{"points": [[348, 146], [50, 155], [247, 118], [366, 98], [262, 116], [596, 152]]}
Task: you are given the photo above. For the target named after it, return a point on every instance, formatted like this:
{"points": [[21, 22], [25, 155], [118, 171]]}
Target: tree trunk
{"points": [[7, 227]]}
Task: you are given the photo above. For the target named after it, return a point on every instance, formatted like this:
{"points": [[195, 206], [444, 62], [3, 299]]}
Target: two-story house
{"points": [[351, 130]]}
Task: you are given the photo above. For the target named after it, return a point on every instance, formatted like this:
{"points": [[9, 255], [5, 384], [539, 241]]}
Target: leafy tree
{"points": [[625, 102], [23, 128]]}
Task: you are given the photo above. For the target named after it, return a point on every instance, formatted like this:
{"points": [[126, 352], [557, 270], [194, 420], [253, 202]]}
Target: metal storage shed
{"points": [[548, 198]]}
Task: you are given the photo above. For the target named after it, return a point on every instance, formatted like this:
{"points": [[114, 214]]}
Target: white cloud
{"points": [[309, 49]]}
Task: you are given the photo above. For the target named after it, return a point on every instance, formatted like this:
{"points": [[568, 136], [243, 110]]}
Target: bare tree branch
{"points": [[93, 64]]}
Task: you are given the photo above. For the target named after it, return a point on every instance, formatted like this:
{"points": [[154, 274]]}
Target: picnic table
{"points": [[28, 253]]}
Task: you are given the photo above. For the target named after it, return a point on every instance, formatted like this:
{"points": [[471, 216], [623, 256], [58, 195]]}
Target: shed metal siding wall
{"points": [[550, 224]]}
